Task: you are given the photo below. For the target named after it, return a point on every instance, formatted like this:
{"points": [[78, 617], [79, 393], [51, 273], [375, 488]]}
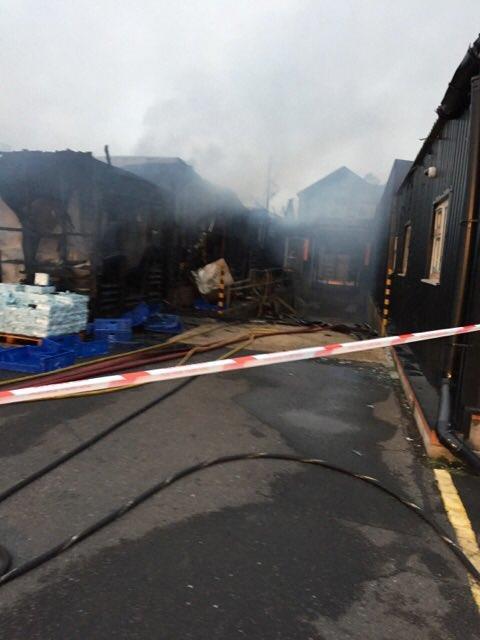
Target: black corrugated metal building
{"points": [[434, 241], [383, 237]]}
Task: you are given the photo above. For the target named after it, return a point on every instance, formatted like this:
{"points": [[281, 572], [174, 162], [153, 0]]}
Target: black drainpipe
{"points": [[447, 435], [445, 431]]}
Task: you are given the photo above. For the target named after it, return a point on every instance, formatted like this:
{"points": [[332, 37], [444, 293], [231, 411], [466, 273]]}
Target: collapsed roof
{"points": [[193, 195]]}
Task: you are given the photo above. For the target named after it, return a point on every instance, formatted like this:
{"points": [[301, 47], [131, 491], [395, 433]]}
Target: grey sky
{"points": [[227, 83]]}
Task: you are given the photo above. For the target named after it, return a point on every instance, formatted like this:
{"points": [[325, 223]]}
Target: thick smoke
{"points": [[227, 85]]}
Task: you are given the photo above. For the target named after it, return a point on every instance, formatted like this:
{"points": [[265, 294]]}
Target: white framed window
{"points": [[407, 236], [437, 241], [394, 253]]}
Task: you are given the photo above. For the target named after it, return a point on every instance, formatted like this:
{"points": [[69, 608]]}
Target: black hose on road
{"points": [[21, 484], [58, 549]]}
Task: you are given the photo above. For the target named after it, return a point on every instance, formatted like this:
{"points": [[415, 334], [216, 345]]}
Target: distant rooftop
{"points": [[341, 173], [128, 161], [342, 194]]}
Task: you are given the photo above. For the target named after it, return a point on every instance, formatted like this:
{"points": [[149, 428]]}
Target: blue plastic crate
{"points": [[113, 329], [138, 315], [88, 348], [81, 348], [155, 309], [34, 360], [164, 323], [112, 324], [117, 336], [203, 305], [54, 344]]}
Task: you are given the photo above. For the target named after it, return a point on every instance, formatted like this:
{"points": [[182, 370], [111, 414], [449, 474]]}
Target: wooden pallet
{"points": [[10, 338]]}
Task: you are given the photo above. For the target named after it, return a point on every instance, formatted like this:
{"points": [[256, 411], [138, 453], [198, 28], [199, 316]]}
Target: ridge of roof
{"points": [[342, 171], [129, 160]]}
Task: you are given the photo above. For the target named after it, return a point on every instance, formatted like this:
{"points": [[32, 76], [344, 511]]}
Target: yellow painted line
{"points": [[460, 522]]}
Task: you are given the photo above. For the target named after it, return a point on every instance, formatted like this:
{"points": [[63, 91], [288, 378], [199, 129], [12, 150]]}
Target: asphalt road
{"points": [[257, 549]]}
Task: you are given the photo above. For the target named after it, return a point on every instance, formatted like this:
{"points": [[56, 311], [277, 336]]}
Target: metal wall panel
{"points": [[417, 305]]}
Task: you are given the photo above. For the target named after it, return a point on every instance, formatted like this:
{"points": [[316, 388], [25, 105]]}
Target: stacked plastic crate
{"points": [[33, 310], [56, 318]]}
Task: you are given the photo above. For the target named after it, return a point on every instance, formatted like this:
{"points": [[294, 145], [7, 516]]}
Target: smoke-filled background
{"points": [[228, 84]]}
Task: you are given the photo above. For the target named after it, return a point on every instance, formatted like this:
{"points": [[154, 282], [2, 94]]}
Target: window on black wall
{"points": [[407, 236], [437, 241], [394, 253]]}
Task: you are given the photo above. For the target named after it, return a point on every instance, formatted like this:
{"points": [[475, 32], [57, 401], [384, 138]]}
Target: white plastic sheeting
{"points": [[38, 311], [208, 278]]}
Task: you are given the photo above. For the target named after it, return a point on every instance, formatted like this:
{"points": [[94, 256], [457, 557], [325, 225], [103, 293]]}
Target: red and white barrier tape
{"points": [[77, 387]]}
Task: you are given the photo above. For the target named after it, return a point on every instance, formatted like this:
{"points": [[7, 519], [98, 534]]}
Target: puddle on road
{"points": [[388, 410], [311, 420]]}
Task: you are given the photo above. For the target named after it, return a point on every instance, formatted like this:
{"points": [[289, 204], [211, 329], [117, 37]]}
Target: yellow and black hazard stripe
{"points": [[386, 301], [221, 293]]}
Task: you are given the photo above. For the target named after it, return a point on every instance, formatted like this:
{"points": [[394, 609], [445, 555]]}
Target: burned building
{"points": [[202, 212], [329, 244], [208, 222], [122, 235], [194, 197], [435, 244], [94, 228]]}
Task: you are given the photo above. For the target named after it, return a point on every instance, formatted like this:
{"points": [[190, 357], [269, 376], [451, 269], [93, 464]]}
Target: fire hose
{"points": [[163, 484], [145, 356], [137, 378]]}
